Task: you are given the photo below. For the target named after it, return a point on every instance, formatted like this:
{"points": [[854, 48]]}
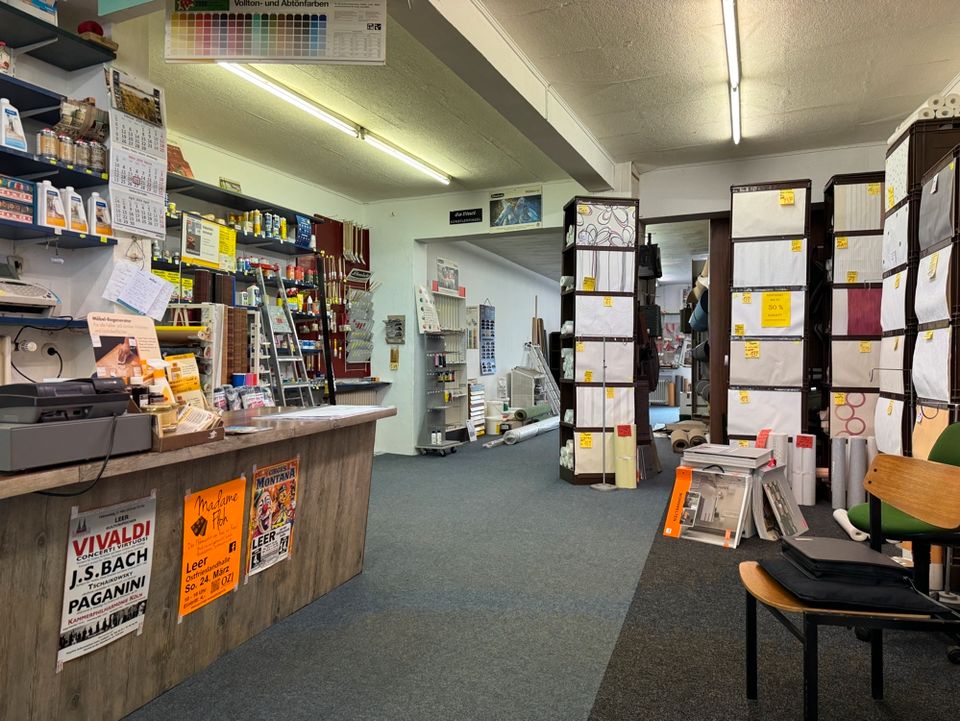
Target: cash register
{"points": [[45, 424]]}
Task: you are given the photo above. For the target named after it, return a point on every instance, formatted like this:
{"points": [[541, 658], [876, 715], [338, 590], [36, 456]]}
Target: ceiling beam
{"points": [[463, 35]]}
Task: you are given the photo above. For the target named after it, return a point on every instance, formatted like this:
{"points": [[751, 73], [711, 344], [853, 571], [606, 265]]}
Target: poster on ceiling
{"points": [[345, 32], [516, 209], [272, 514], [109, 557]]}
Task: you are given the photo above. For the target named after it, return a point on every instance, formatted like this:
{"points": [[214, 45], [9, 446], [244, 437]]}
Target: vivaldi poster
{"points": [[212, 535], [109, 557], [272, 514]]}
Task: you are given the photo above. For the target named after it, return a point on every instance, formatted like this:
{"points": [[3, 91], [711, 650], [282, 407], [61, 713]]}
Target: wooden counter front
{"points": [[335, 469]]}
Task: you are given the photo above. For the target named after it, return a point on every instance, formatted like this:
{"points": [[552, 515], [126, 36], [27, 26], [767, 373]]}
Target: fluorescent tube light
{"points": [[735, 114], [730, 36], [402, 156], [291, 97]]}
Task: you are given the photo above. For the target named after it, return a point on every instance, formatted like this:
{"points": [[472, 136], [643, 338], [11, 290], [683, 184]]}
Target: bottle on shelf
{"points": [[11, 128]]}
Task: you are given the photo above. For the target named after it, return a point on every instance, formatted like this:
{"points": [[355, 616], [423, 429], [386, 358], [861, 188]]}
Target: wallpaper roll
{"points": [[943, 112], [838, 472], [856, 472], [872, 450], [808, 471], [679, 440], [926, 114], [697, 438], [841, 517], [952, 100], [541, 410], [780, 445], [625, 451], [935, 101]]}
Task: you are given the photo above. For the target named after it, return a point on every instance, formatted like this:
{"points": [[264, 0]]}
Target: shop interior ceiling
{"points": [[415, 102], [680, 243], [538, 250], [648, 78]]}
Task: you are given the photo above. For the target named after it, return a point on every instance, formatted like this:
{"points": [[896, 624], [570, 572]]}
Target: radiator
{"points": [[660, 395]]}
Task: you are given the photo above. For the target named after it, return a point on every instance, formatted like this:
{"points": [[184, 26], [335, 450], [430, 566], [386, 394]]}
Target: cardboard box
{"points": [[185, 440]]}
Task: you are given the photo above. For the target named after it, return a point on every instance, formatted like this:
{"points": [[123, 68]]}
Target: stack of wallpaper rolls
{"points": [[936, 106]]}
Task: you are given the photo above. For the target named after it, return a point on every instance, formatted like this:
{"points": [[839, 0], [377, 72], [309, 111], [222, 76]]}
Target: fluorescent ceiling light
{"points": [[291, 97], [735, 114], [409, 160], [730, 36]]}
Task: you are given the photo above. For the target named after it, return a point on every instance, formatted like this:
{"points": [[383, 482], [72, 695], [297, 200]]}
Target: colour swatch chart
{"points": [[338, 31]]}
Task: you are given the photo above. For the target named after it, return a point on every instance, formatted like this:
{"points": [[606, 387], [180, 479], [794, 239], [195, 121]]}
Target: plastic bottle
{"points": [[98, 216], [11, 128], [73, 205], [50, 210]]}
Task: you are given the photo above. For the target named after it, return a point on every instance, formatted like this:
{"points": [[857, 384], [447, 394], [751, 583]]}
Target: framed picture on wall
{"points": [[516, 209], [448, 275]]}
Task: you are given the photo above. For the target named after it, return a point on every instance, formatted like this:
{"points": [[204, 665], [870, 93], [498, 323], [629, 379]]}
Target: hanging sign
{"points": [[272, 514], [516, 209], [473, 215]]}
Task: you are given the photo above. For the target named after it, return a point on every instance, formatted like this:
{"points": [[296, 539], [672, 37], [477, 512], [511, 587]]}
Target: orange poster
{"points": [[212, 534], [678, 511]]}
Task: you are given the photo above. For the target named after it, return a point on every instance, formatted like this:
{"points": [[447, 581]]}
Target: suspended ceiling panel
{"points": [[679, 244], [648, 77], [414, 101]]}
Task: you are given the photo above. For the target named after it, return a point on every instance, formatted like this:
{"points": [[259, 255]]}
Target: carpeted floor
{"points": [[680, 653], [492, 590]]}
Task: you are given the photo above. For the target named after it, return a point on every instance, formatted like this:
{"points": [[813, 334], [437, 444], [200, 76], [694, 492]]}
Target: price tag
{"points": [[581, 346], [934, 261], [896, 280], [744, 396], [586, 440], [738, 329], [866, 346], [786, 197], [851, 276], [843, 242], [839, 399], [104, 239], [890, 407], [610, 393], [608, 301], [889, 197], [588, 376], [583, 209], [746, 298], [873, 188], [743, 444], [776, 312], [796, 246], [589, 283], [751, 349], [896, 342], [803, 441], [928, 335]]}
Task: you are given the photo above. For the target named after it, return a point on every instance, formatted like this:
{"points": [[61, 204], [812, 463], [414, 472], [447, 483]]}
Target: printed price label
{"points": [[889, 197], [588, 376], [851, 276], [786, 197], [589, 283], [896, 280], [934, 261], [746, 298], [896, 342], [744, 396], [586, 440], [751, 349], [738, 329], [873, 188], [890, 408], [583, 209], [843, 242], [866, 346], [608, 301], [928, 335], [743, 444], [581, 346], [610, 393], [839, 399], [796, 246], [803, 441]]}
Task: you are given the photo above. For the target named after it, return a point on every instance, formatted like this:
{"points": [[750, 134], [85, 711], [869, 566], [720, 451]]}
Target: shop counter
{"points": [[327, 545]]}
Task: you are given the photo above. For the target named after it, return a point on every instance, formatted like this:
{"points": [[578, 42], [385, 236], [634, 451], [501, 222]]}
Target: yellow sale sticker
{"points": [[746, 298], [608, 301], [873, 188], [934, 261], [890, 407], [889, 197], [581, 346], [928, 335], [586, 440], [743, 444], [787, 197], [751, 349], [839, 399], [744, 396], [775, 312], [851, 276], [796, 246], [588, 376], [589, 283], [610, 393], [738, 329], [896, 280], [843, 242], [896, 342], [866, 346]]}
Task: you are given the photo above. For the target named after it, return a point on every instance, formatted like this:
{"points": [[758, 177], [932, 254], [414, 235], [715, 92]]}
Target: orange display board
{"points": [[213, 523], [675, 520]]}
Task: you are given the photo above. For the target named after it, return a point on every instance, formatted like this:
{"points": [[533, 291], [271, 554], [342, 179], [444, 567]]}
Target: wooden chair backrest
{"points": [[926, 490]]}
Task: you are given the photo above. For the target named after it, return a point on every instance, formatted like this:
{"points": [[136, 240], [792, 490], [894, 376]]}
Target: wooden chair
{"points": [[926, 490]]}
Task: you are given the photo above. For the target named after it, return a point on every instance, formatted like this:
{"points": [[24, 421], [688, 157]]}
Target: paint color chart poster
{"points": [[212, 535], [349, 32], [109, 557], [272, 514]]}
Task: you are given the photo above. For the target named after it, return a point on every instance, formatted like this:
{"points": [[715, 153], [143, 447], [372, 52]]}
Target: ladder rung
{"points": [[288, 358]]}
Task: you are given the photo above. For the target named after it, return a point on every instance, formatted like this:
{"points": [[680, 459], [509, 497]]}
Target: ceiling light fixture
{"points": [[344, 126], [733, 64]]}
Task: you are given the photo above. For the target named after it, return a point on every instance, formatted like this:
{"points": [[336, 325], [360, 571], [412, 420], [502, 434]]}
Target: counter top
{"points": [[278, 430]]}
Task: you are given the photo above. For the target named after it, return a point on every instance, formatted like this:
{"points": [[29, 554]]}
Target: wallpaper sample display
{"points": [[891, 357], [929, 423], [895, 175], [857, 259], [857, 207], [748, 411], [852, 414], [936, 208], [854, 363], [588, 452], [888, 426], [604, 315], [767, 313], [931, 364], [772, 363], [588, 361], [768, 212], [610, 225], [856, 311], [603, 270], [895, 239], [933, 287], [770, 263], [893, 306], [616, 405]]}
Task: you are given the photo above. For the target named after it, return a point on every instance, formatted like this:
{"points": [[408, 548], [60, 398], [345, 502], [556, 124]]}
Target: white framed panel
{"points": [[936, 208], [893, 305], [749, 411], [857, 207], [606, 225], [759, 213], [931, 302], [854, 363], [770, 263], [855, 312], [931, 364], [888, 425], [858, 259], [895, 239], [588, 453], [599, 315], [891, 358], [895, 175], [588, 361], [747, 314], [852, 414], [612, 271], [773, 363], [605, 407]]}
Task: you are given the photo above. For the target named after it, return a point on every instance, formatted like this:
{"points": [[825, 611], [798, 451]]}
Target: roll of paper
{"points": [[856, 471], [952, 100], [679, 440], [926, 114], [871, 450], [935, 101], [943, 112], [838, 472], [808, 471], [779, 444], [625, 456], [840, 516], [696, 438]]}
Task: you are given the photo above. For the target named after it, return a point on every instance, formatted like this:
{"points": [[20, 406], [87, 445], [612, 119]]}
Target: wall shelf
{"points": [[52, 44], [66, 239], [33, 102], [28, 166], [45, 322], [225, 198]]}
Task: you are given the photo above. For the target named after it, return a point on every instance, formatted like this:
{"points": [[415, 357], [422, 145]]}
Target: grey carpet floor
{"points": [[680, 654], [492, 590]]}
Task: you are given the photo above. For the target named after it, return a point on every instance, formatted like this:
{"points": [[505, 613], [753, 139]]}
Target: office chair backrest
{"points": [[926, 490], [947, 448]]}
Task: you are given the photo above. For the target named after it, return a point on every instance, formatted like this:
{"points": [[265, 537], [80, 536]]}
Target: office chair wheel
{"points": [[953, 653]]}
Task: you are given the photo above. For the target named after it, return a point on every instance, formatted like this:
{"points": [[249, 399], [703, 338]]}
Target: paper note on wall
{"points": [[775, 312]]}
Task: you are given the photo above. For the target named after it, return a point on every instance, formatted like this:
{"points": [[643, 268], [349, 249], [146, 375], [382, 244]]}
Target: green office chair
{"points": [[898, 526]]}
